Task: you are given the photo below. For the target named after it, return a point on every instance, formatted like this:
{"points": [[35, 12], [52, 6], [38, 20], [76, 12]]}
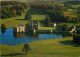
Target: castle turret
{"points": [[37, 25]]}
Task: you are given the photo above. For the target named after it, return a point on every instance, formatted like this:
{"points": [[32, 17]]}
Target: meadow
{"points": [[60, 47]]}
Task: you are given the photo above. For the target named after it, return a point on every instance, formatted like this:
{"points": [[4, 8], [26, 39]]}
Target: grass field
{"points": [[75, 6], [46, 28], [44, 48], [37, 14], [69, 24]]}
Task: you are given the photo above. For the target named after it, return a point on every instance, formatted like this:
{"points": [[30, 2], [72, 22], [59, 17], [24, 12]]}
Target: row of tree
{"points": [[56, 12], [47, 6], [4, 3], [74, 2], [12, 10]]}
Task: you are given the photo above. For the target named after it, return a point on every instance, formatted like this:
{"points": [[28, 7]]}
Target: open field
{"points": [[37, 15], [46, 28], [44, 48], [71, 13]]}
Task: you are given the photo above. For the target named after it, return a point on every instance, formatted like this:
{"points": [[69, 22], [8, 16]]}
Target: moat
{"points": [[10, 38]]}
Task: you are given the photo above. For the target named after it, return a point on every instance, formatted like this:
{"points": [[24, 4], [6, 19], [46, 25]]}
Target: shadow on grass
{"points": [[69, 42], [13, 54], [19, 19], [34, 11]]}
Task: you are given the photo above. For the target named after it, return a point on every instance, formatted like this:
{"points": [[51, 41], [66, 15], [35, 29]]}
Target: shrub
{"points": [[47, 20], [56, 15], [18, 7], [64, 27], [28, 16], [76, 38], [70, 28], [78, 31], [3, 28]]}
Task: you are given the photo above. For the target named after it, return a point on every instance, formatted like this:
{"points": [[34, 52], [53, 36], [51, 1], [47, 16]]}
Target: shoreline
{"points": [[7, 28]]}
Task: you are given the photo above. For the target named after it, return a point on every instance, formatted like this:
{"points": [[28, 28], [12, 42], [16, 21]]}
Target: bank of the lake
{"points": [[63, 47]]}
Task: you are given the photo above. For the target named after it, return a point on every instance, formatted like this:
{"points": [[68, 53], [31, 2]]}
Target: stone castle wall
{"points": [[28, 27]]}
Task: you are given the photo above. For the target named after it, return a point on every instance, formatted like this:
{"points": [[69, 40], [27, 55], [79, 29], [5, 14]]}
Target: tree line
{"points": [[12, 8], [56, 12]]}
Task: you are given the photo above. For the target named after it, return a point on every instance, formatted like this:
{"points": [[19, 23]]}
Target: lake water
{"points": [[10, 38]]}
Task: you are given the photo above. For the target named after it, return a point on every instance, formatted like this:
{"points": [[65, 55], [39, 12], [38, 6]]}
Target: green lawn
{"points": [[75, 6], [70, 24], [46, 28], [37, 14], [44, 48], [71, 13]]}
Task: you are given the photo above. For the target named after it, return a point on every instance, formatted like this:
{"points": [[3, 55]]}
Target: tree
{"points": [[4, 13], [78, 13], [3, 28], [78, 31], [47, 20], [68, 6], [56, 15], [18, 7], [76, 37], [12, 9], [28, 16], [64, 27], [19, 12], [25, 4]]}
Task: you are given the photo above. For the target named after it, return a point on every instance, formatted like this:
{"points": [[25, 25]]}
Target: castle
{"points": [[34, 27], [29, 27]]}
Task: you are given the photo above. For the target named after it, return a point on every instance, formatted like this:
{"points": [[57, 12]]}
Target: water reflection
{"points": [[64, 34], [19, 35], [33, 35], [25, 34], [3, 30], [36, 35]]}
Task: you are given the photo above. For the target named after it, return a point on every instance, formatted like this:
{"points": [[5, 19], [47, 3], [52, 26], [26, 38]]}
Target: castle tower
{"points": [[32, 25], [54, 24], [37, 25]]}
